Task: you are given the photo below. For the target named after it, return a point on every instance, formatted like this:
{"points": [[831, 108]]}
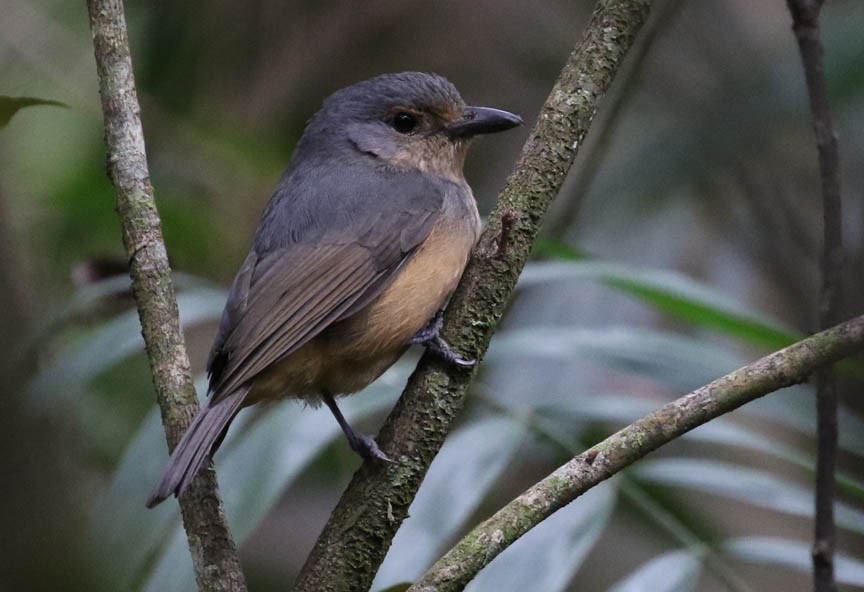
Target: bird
{"points": [[355, 257]]}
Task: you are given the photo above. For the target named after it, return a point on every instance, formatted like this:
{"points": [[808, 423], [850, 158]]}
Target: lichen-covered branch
{"points": [[360, 530], [805, 17], [214, 553], [781, 369]]}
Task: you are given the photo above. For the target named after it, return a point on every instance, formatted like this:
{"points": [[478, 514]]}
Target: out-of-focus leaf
{"points": [[749, 486], [845, 70], [681, 362], [470, 462], [127, 534], [677, 571], [545, 247], [401, 587], [88, 297], [278, 446], [625, 409], [792, 554], [260, 460], [80, 362], [795, 409], [673, 293], [677, 295], [548, 556], [173, 572], [560, 429], [9, 106]]}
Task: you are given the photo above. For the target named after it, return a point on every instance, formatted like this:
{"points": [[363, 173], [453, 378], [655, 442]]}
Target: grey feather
{"points": [[196, 447], [279, 298]]}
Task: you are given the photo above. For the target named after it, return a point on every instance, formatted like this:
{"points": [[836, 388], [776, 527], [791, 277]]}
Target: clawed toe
{"points": [[366, 447], [443, 349], [430, 338]]}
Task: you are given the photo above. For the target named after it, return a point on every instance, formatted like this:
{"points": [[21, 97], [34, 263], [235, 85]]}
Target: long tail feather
{"points": [[196, 447]]}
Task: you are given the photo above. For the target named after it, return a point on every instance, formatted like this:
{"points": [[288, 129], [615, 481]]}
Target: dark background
{"points": [[701, 162]]}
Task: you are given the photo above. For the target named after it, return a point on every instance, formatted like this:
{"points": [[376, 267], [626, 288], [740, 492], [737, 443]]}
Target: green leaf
{"points": [[674, 294], [9, 106], [750, 486], [546, 247], [681, 297]]}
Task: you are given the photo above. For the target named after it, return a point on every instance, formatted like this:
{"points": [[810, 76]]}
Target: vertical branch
{"points": [[214, 554], [805, 17]]}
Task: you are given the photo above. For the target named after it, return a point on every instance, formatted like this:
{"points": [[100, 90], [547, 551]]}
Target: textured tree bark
{"points": [[781, 369], [805, 17], [214, 554], [361, 528]]}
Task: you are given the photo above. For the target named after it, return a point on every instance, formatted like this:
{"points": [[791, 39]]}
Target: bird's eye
{"points": [[404, 122]]}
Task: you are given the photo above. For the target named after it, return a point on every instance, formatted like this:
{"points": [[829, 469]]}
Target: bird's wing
{"points": [[284, 297]]}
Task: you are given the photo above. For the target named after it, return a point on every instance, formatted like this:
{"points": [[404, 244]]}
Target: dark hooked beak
{"points": [[482, 120]]}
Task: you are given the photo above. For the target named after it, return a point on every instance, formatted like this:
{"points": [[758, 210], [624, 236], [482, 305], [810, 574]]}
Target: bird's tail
{"points": [[196, 447]]}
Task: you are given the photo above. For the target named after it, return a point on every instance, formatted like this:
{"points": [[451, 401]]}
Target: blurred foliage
{"points": [[685, 244], [9, 106]]}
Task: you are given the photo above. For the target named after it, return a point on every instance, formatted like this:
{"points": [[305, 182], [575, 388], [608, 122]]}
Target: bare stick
{"points": [[214, 554], [783, 368], [805, 17], [361, 528]]}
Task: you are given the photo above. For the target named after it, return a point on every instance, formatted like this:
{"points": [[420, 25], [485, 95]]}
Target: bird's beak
{"points": [[482, 120]]}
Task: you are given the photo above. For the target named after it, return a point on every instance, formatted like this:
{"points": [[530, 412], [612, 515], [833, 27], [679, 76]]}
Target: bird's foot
{"points": [[429, 337], [360, 443], [366, 446]]}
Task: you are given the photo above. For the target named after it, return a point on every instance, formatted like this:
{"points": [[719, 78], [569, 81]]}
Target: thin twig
{"points": [[214, 554], [805, 17], [361, 528], [784, 368]]}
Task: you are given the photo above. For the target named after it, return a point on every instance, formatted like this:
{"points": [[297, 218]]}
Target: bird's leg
{"points": [[360, 443], [430, 338]]}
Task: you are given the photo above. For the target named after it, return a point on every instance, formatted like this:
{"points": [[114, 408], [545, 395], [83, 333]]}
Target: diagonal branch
{"points": [[781, 369], [214, 554], [805, 17], [361, 528]]}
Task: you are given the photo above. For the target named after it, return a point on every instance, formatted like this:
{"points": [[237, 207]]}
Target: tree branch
{"points": [[805, 17], [360, 530], [781, 369], [214, 554]]}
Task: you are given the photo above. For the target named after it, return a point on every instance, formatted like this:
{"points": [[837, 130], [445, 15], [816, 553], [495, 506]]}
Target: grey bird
{"points": [[356, 254]]}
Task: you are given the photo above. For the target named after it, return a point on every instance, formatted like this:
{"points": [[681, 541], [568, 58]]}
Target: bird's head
{"points": [[408, 120]]}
